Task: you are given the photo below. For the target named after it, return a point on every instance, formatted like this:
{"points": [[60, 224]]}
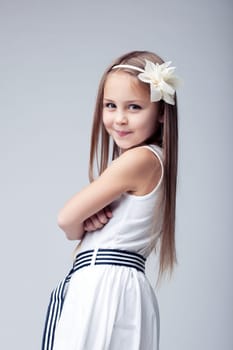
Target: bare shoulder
{"points": [[138, 158], [140, 168]]}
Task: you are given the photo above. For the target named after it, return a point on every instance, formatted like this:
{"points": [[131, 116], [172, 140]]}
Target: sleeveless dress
{"points": [[110, 307]]}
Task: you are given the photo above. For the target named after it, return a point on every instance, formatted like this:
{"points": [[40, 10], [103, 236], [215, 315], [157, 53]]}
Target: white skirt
{"points": [[108, 307]]}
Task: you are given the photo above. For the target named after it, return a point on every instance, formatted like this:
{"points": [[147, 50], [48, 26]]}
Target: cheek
{"points": [[147, 123], [148, 128], [107, 120]]}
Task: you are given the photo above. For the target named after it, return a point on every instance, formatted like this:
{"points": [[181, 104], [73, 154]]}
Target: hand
{"points": [[98, 220]]}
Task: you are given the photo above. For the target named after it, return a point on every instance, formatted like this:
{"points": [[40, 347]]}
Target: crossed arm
{"points": [[136, 171]]}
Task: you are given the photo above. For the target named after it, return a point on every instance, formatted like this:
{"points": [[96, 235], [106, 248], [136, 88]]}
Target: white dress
{"points": [[110, 307]]}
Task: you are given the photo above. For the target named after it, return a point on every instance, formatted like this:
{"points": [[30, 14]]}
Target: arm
{"points": [[125, 174]]}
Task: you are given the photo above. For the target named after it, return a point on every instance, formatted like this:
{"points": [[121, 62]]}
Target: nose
{"points": [[120, 118]]}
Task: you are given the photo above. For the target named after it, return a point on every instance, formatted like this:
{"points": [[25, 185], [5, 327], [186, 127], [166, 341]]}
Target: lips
{"points": [[122, 133]]}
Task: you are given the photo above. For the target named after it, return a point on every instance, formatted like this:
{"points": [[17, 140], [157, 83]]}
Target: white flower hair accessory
{"points": [[161, 77]]}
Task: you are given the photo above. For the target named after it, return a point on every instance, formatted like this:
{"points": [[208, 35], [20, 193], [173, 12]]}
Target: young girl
{"points": [[106, 301]]}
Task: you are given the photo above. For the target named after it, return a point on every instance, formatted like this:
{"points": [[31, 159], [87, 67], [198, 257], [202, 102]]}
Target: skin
{"points": [[128, 115], [130, 119]]}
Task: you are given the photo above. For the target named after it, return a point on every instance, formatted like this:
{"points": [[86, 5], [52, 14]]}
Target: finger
{"points": [[102, 217], [108, 212], [88, 225], [96, 222]]}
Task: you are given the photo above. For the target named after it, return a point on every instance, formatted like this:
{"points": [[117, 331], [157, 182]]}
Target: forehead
{"points": [[122, 84]]}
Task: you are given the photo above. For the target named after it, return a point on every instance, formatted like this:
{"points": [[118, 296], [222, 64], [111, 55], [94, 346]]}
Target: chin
{"points": [[127, 147]]}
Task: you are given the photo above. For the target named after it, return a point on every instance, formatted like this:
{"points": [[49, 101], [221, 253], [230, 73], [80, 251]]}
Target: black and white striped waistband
{"points": [[109, 257]]}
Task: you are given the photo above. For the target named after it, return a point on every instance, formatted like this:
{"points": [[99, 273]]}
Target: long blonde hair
{"points": [[166, 137]]}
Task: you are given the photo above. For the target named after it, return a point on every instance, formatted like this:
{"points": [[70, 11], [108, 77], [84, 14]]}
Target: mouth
{"points": [[122, 133]]}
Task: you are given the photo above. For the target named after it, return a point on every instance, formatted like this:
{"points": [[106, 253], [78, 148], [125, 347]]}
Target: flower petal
{"points": [[155, 94], [166, 88], [168, 98], [165, 64], [174, 81], [170, 70], [149, 67], [162, 80]]}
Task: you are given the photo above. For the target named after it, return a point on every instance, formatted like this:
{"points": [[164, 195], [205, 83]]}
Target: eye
{"points": [[134, 107], [110, 105]]}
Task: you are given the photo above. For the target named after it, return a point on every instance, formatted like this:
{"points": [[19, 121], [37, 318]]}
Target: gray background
{"points": [[52, 56]]}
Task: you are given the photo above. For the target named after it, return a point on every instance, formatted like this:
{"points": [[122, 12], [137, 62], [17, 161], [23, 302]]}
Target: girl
{"points": [[106, 302]]}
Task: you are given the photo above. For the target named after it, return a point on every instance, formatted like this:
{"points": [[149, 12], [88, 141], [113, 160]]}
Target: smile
{"points": [[122, 133]]}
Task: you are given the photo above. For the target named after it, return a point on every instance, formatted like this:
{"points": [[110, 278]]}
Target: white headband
{"points": [[161, 78]]}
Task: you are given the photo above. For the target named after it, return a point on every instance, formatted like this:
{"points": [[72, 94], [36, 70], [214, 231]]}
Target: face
{"points": [[128, 115]]}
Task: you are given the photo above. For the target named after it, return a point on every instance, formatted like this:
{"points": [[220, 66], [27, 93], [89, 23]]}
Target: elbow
{"points": [[61, 221], [72, 231]]}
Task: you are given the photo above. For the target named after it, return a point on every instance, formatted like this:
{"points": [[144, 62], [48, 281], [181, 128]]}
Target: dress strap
{"points": [[159, 154]]}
